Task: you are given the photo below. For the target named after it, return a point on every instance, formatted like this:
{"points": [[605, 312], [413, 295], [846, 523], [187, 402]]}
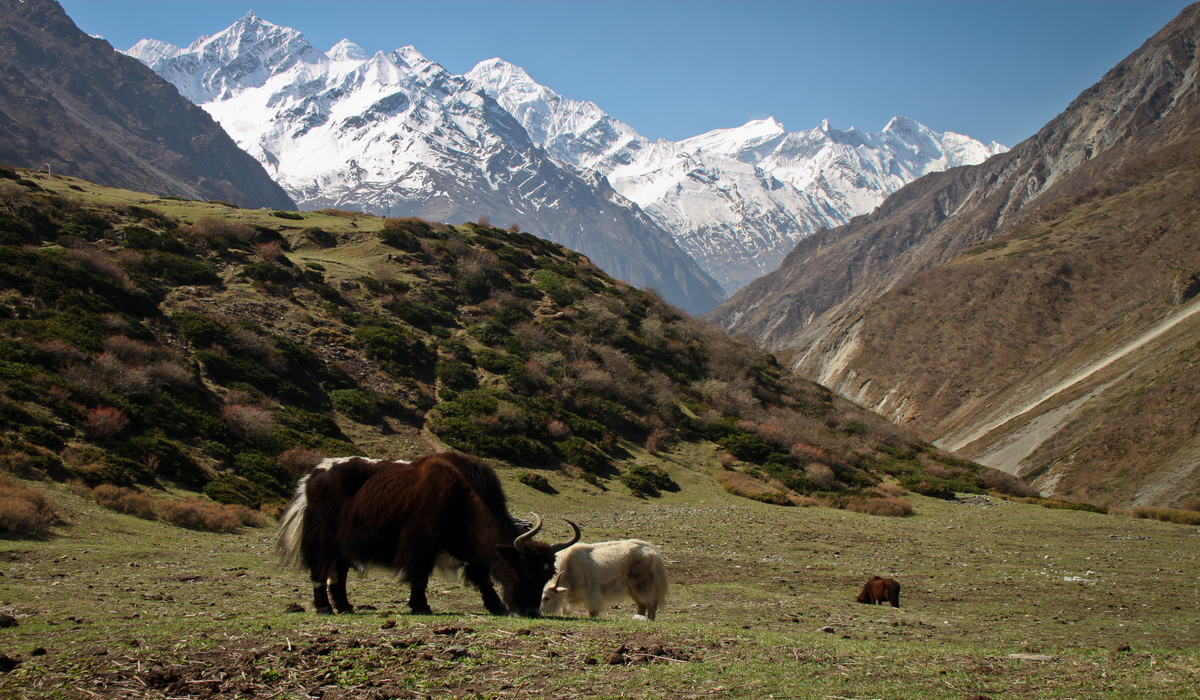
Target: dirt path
{"points": [[956, 443]]}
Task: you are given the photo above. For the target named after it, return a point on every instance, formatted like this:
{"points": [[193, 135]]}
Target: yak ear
{"points": [[508, 551]]}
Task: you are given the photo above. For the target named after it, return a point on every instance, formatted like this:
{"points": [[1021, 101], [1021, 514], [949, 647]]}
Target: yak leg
{"points": [[647, 609], [418, 577], [477, 575], [320, 595], [337, 588]]}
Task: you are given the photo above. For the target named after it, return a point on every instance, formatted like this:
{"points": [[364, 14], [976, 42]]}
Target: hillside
{"points": [[1009, 306], [70, 104], [156, 340]]}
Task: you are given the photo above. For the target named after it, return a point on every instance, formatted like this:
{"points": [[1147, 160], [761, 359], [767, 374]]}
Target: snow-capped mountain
{"points": [[397, 134], [736, 200]]}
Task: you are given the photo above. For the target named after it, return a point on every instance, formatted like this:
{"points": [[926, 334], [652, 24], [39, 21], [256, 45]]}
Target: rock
{"points": [[827, 629], [40, 651], [388, 625], [641, 618], [294, 607], [454, 653], [1031, 657], [8, 621], [1122, 647]]}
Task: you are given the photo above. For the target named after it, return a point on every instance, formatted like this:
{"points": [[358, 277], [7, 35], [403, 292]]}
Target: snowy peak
{"points": [[346, 50], [150, 50]]}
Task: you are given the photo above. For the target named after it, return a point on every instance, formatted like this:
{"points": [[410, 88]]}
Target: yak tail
{"points": [[649, 578], [291, 527]]}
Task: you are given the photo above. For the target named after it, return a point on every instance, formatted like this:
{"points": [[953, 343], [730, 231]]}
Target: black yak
{"points": [[440, 511]]}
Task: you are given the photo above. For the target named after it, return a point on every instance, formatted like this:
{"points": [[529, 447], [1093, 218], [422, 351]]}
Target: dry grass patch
{"points": [[1166, 515], [746, 486]]}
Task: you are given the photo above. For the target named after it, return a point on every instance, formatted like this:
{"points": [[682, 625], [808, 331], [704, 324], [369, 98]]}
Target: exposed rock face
{"points": [[974, 303], [69, 101]]}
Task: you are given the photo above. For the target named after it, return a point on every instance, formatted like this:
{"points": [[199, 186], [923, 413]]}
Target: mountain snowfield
{"points": [[396, 134]]}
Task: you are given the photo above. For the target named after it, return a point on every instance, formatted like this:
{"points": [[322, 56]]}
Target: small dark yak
{"points": [[880, 590], [440, 511]]}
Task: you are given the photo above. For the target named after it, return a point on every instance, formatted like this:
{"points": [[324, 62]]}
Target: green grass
{"points": [[115, 600]]}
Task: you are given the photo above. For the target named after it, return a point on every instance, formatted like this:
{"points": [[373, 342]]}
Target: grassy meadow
{"points": [[762, 606]]}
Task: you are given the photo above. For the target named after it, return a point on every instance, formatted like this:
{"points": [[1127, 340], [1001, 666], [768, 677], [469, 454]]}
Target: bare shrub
{"points": [[78, 488], [941, 472], [1192, 505], [194, 514], [557, 428], [270, 251], [888, 506], [238, 396], [888, 489], [130, 351], [24, 510], [533, 336], [727, 460], [129, 258], [60, 352], [17, 463], [804, 453], [299, 460], [510, 415], [656, 440], [13, 195], [103, 422], [1167, 515], [125, 500], [823, 476], [1002, 482], [101, 264], [515, 228], [484, 222], [169, 374], [248, 420], [210, 227], [251, 343], [740, 484], [120, 377]]}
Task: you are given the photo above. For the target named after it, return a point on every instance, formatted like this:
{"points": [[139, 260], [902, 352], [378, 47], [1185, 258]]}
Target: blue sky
{"points": [[995, 70]]}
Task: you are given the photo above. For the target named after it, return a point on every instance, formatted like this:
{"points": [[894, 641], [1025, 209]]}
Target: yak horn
{"points": [[563, 545], [519, 543]]}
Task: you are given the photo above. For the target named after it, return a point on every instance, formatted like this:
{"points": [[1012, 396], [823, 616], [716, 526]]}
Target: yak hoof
{"points": [[346, 611], [324, 611], [422, 611]]}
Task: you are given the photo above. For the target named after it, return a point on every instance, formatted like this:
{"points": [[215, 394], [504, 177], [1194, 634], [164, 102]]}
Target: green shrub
{"points": [[291, 215], [233, 489], [534, 481], [581, 453], [456, 375], [647, 480]]}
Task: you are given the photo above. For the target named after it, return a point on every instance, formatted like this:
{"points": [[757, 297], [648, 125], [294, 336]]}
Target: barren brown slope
{"points": [[71, 102], [821, 287], [1081, 239]]}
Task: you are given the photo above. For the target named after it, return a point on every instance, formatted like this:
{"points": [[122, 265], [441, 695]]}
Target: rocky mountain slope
{"points": [[983, 304], [396, 134], [70, 102]]}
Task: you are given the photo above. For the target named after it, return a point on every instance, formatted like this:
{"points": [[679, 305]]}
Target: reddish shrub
{"points": [[247, 420], [299, 460], [125, 500], [656, 440], [103, 422], [558, 429]]}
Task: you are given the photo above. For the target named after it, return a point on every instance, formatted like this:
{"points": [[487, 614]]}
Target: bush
{"points": [[647, 480], [534, 481], [299, 460], [290, 215], [125, 500], [581, 453], [103, 422], [1167, 515], [1001, 482], [195, 514], [232, 489], [24, 510]]}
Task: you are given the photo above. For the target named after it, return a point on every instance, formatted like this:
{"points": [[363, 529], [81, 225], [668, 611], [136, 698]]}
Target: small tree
{"points": [[103, 422]]}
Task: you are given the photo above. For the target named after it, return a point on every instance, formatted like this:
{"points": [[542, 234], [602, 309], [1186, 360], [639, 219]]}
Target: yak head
{"points": [[532, 565], [554, 598]]}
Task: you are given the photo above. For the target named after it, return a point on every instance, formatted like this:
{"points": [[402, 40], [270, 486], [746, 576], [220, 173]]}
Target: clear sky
{"points": [[992, 69]]}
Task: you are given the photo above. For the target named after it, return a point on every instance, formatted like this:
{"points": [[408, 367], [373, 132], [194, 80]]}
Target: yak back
{"points": [[397, 515]]}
